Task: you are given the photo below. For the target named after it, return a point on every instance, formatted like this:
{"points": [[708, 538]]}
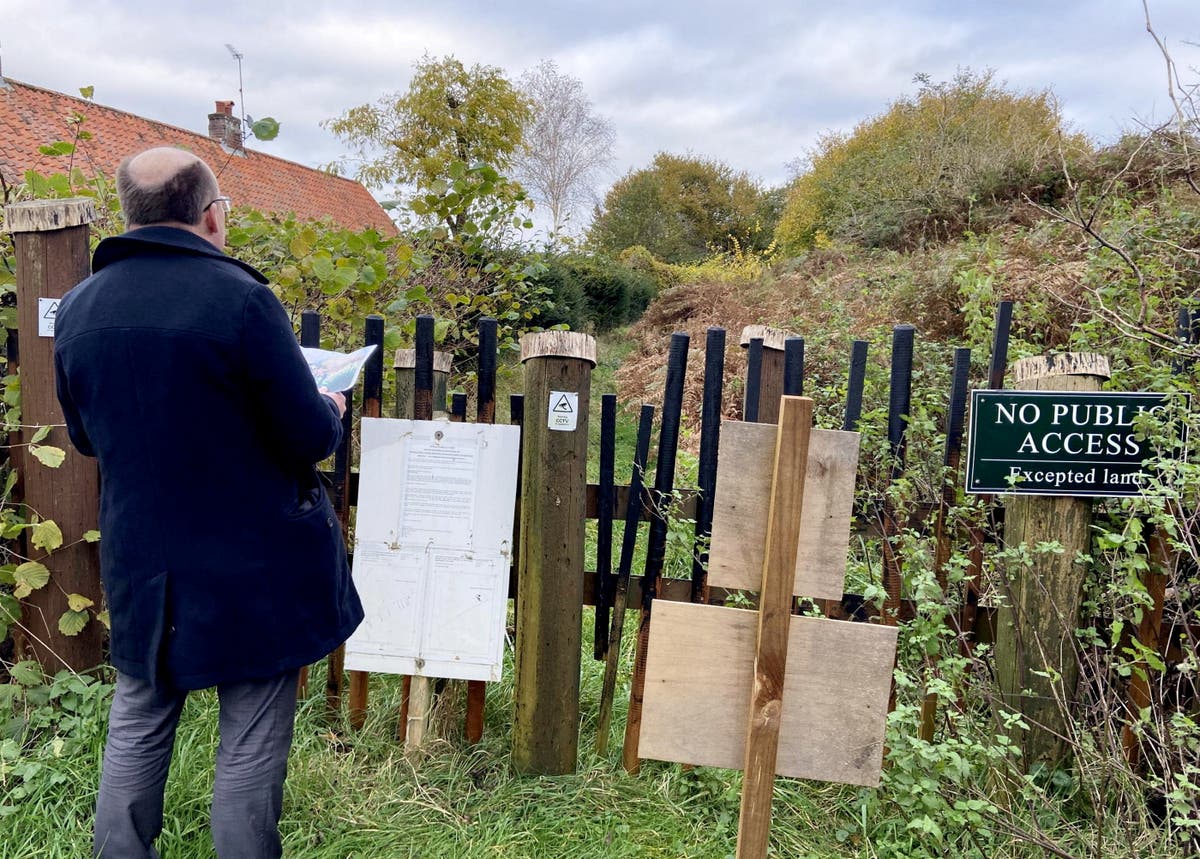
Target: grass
{"points": [[355, 794]]}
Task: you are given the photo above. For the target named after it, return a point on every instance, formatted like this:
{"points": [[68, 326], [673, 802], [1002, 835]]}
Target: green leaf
{"points": [[47, 455], [32, 575], [236, 237], [104, 619], [265, 129], [40, 435], [87, 91], [10, 482], [59, 147], [27, 673], [345, 276], [78, 602], [91, 536], [72, 622], [300, 246], [322, 267], [47, 535]]}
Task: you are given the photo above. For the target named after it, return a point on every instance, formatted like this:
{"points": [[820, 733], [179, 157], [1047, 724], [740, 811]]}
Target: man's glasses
{"points": [[224, 202]]}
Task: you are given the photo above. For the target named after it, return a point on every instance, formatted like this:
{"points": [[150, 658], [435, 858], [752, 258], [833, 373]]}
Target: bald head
{"points": [[165, 186]]}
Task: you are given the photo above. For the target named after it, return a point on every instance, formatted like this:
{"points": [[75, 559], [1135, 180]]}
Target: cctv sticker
{"points": [[563, 411]]}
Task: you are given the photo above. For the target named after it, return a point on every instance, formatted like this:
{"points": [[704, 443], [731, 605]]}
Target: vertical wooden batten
{"points": [[774, 617]]}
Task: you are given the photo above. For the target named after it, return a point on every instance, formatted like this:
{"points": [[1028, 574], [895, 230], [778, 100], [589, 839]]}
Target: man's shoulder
{"points": [[172, 247]]}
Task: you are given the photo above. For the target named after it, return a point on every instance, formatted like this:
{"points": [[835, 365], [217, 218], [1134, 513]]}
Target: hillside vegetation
{"points": [[932, 214]]}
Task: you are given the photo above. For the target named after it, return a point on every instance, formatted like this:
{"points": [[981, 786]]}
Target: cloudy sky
{"points": [[751, 84]]}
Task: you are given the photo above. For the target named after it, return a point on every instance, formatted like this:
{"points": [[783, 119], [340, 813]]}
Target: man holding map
{"points": [[222, 559]]}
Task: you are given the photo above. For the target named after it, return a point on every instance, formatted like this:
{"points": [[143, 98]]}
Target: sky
{"points": [[749, 84]]}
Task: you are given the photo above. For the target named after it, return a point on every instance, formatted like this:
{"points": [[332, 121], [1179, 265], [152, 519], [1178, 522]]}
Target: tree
{"points": [[682, 208], [449, 113], [565, 146]]}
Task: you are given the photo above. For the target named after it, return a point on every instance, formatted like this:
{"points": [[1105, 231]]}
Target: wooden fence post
{"points": [[406, 374], [1035, 646], [558, 371], [51, 240], [771, 373]]}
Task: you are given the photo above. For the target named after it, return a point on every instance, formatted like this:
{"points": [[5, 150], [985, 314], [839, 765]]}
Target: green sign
{"points": [[1058, 442]]}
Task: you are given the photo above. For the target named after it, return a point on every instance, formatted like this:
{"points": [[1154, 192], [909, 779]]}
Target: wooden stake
{"points": [[633, 513], [943, 538], [656, 542], [485, 413], [774, 617], [372, 408]]}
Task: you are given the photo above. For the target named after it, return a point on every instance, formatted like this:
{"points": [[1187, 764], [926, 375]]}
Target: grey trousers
{"points": [[256, 734]]}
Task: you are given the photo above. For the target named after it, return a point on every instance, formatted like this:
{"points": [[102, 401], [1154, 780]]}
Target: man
{"points": [[222, 560]]}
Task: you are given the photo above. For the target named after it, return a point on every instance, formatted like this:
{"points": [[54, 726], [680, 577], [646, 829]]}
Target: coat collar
{"points": [[162, 239]]}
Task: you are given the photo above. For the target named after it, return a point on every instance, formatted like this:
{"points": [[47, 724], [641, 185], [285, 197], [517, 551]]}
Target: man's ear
{"points": [[209, 222]]}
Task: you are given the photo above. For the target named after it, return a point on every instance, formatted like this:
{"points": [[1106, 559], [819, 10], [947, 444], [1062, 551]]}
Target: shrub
{"points": [[595, 292], [922, 169]]}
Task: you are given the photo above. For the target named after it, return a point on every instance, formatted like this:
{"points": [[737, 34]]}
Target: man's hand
{"points": [[339, 400]]}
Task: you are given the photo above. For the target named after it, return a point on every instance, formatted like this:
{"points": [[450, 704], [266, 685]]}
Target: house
{"points": [[32, 117]]}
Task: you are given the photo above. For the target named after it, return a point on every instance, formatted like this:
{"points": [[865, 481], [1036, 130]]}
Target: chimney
{"points": [[224, 127]]}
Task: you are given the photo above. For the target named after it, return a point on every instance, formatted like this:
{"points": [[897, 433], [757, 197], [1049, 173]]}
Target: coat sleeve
{"points": [[79, 437], [303, 424]]}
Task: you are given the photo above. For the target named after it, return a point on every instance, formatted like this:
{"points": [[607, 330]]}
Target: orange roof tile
{"points": [[31, 117]]}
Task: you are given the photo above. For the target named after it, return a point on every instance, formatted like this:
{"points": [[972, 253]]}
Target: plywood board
{"points": [[739, 528], [433, 547], [699, 673]]}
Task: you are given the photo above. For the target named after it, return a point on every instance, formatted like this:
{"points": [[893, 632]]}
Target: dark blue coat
{"points": [[221, 556]]}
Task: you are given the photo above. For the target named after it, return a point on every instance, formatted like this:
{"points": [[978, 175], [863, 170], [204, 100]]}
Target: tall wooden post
{"points": [[558, 372], [771, 373], [51, 239], [1035, 631]]}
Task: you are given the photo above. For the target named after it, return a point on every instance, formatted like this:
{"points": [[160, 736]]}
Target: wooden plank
{"points": [[774, 613], [740, 514], [834, 695]]}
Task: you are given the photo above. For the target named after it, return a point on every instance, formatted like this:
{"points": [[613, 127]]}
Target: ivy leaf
{"points": [[91, 536], [104, 619], [47, 535], [47, 455], [40, 435], [78, 602], [72, 622], [27, 673], [30, 576]]}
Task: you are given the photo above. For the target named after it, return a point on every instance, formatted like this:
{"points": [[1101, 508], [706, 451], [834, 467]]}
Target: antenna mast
{"points": [[237, 55]]}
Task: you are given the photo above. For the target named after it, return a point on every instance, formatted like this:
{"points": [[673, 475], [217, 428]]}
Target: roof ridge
{"points": [[94, 104]]}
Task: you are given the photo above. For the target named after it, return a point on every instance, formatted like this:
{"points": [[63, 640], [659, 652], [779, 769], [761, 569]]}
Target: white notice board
{"points": [[432, 547]]}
